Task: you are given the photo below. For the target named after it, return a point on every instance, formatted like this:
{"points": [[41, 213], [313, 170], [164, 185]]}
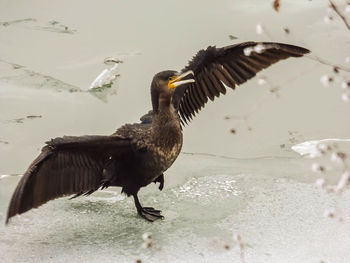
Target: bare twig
{"points": [[273, 90], [336, 9], [325, 62], [238, 238]]}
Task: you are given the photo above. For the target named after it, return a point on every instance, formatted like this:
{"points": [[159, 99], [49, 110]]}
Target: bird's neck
{"points": [[166, 125]]}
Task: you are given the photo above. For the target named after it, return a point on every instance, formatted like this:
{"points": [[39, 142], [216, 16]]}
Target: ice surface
{"points": [[107, 76], [18, 76], [267, 194], [270, 202], [32, 23], [311, 148], [14, 76]]}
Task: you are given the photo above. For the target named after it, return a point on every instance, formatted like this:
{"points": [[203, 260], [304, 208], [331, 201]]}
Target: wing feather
{"points": [[186, 110], [239, 79], [210, 89], [227, 75], [220, 77], [192, 104], [203, 85], [196, 98], [217, 83], [182, 114], [67, 165], [196, 105], [230, 65], [212, 85]]}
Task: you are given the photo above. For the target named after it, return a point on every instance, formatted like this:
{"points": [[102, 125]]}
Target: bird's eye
{"points": [[171, 78]]}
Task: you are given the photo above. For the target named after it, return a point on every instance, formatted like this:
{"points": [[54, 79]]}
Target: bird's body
{"points": [[156, 147], [139, 154]]}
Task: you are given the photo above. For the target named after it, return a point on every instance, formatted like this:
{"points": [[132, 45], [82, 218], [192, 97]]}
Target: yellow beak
{"points": [[177, 81]]}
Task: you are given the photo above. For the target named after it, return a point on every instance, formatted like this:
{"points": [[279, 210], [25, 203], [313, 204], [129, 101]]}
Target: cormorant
{"points": [[139, 154]]}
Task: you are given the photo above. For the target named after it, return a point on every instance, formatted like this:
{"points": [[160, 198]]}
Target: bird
{"points": [[138, 154]]}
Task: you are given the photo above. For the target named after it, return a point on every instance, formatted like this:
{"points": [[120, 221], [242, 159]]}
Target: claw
{"points": [[151, 209], [160, 179]]}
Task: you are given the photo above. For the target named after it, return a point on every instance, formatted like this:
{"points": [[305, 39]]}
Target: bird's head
{"points": [[164, 84]]}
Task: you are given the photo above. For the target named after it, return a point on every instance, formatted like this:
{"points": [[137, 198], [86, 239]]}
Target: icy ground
{"points": [[270, 202]]}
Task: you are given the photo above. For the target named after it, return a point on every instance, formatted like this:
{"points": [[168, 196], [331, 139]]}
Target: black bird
{"points": [[138, 154]]}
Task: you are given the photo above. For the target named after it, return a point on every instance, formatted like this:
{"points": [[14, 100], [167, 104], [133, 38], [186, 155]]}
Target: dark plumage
{"points": [[138, 154]]}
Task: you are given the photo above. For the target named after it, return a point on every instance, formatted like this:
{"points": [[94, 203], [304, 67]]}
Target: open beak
{"points": [[178, 80]]}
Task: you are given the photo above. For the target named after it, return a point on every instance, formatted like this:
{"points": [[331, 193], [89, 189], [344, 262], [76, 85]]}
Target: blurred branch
{"points": [[336, 9], [325, 62], [273, 90]]}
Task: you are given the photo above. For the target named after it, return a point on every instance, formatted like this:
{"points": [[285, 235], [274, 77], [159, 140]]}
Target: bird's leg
{"points": [[148, 213], [160, 179]]}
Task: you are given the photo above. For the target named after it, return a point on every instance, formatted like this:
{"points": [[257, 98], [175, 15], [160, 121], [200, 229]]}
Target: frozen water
{"points": [[311, 149], [106, 77], [50, 53], [17, 77], [270, 202]]}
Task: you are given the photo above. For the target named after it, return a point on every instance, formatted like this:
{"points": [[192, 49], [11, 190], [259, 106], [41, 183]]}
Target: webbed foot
{"points": [[148, 213]]}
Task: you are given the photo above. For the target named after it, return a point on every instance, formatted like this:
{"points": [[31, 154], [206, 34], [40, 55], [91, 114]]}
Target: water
{"points": [[248, 182]]}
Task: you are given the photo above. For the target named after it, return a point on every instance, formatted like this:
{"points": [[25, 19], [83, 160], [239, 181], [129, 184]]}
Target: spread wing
{"points": [[66, 166], [231, 65]]}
